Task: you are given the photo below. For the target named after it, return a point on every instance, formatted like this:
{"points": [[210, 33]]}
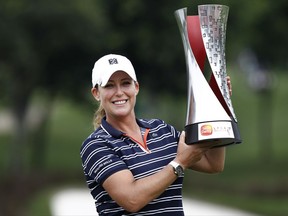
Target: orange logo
{"points": [[206, 130]]}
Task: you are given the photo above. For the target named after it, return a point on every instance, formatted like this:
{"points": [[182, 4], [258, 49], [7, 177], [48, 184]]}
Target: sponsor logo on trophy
{"points": [[210, 115]]}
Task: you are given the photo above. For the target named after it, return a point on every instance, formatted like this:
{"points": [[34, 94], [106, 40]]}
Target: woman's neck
{"points": [[128, 126], [125, 124]]}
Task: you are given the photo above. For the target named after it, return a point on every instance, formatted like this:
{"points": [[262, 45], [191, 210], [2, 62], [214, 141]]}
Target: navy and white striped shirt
{"points": [[107, 151]]}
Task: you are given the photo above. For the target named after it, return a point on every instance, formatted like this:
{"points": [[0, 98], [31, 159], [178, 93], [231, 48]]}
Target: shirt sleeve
{"points": [[99, 161], [176, 134]]}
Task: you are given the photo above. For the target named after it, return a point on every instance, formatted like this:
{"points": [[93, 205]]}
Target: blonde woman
{"points": [[136, 166]]}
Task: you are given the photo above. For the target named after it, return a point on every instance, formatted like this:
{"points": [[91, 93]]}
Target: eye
{"points": [[126, 82], [109, 85]]}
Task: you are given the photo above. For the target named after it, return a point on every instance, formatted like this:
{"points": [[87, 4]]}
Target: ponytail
{"points": [[99, 114]]}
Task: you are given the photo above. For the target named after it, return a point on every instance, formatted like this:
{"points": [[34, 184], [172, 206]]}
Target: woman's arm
{"points": [[213, 161], [133, 194]]}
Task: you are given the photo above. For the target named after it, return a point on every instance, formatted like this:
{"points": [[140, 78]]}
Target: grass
{"points": [[251, 186], [255, 177], [40, 204], [70, 125]]}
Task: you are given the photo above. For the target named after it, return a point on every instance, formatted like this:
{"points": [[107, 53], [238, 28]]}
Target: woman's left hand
{"points": [[229, 85]]}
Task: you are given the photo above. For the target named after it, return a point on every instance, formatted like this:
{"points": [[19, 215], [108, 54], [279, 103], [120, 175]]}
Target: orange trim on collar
{"points": [[143, 145]]}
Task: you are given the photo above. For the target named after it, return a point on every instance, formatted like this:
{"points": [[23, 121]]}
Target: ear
{"points": [[136, 88], [95, 93]]}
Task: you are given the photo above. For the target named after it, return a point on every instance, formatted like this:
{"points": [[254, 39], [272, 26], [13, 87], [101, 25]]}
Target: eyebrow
{"points": [[126, 78]]}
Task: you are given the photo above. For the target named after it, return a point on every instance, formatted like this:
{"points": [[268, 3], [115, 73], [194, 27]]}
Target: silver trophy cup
{"points": [[210, 115]]}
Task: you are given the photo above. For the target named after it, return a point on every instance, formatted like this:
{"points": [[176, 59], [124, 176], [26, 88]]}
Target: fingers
{"points": [[203, 145], [182, 136], [229, 85], [188, 155]]}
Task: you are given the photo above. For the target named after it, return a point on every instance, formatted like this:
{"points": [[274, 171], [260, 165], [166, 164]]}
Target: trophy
{"points": [[210, 115]]}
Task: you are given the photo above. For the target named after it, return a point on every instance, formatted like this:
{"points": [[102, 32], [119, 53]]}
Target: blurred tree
{"points": [[49, 46], [150, 37], [45, 45], [260, 25]]}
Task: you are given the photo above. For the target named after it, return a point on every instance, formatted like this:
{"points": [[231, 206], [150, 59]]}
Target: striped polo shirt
{"points": [[107, 151]]}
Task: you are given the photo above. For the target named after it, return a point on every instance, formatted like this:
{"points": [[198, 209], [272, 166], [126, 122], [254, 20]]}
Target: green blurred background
{"points": [[47, 51]]}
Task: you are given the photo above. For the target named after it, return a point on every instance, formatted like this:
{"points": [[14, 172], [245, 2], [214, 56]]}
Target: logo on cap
{"points": [[112, 61]]}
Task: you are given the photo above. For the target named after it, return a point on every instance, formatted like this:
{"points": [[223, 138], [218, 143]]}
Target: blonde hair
{"points": [[98, 115]]}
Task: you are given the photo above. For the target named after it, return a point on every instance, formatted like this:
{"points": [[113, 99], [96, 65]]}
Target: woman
{"points": [[136, 166]]}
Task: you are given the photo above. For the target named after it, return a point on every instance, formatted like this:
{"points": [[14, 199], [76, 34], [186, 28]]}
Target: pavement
{"points": [[78, 201]]}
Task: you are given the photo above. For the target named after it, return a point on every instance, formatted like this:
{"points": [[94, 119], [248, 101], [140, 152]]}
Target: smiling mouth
{"points": [[120, 102]]}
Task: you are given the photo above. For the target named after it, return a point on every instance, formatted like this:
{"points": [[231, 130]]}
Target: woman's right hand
{"points": [[188, 155]]}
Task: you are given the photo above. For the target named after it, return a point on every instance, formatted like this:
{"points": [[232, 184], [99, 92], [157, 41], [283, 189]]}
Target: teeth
{"points": [[120, 102]]}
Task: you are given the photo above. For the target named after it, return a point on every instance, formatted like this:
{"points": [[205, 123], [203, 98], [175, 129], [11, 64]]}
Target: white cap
{"points": [[107, 65]]}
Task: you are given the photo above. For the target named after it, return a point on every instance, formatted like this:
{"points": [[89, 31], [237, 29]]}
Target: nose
{"points": [[119, 91]]}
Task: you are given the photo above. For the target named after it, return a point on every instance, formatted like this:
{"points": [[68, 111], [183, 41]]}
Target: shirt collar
{"points": [[116, 133]]}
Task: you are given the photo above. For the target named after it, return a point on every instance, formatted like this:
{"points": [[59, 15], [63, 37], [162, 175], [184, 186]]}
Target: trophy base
{"points": [[218, 133]]}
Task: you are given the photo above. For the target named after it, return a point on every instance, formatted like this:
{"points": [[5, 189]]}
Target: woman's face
{"points": [[118, 96]]}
